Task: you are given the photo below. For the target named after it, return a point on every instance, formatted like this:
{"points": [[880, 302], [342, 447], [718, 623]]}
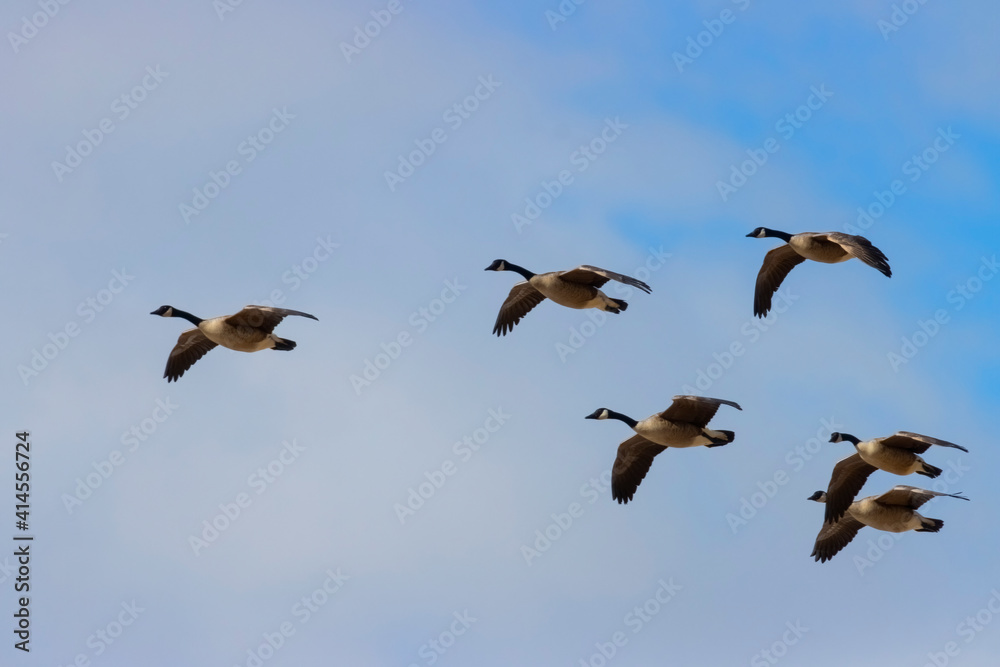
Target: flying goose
{"points": [[826, 247], [683, 424], [896, 453], [247, 331], [894, 511], [577, 288]]}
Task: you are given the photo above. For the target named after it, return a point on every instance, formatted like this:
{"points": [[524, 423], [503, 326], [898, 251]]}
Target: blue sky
{"points": [[256, 119]]}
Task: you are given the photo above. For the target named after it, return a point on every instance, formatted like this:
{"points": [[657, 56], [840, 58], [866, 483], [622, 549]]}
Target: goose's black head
{"points": [[819, 496], [497, 265], [599, 413], [844, 437], [164, 311], [759, 233]]}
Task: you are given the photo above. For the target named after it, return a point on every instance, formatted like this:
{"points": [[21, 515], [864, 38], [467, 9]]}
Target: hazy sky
{"points": [[406, 489]]}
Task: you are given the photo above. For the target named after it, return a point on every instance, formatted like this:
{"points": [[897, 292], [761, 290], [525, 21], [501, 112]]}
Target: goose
{"points": [[896, 453], [683, 424], [826, 247], [247, 331], [577, 288], [894, 511]]}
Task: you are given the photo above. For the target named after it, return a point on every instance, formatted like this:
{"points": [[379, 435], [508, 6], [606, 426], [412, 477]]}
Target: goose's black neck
{"points": [[177, 312], [784, 236], [850, 438], [520, 269], [620, 417]]}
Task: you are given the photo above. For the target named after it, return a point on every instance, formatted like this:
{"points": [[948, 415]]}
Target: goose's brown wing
{"points": [[191, 346], [635, 456], [849, 475], [597, 277], [697, 410], [522, 298], [911, 496], [777, 263], [834, 537], [915, 442], [264, 318], [863, 249]]}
